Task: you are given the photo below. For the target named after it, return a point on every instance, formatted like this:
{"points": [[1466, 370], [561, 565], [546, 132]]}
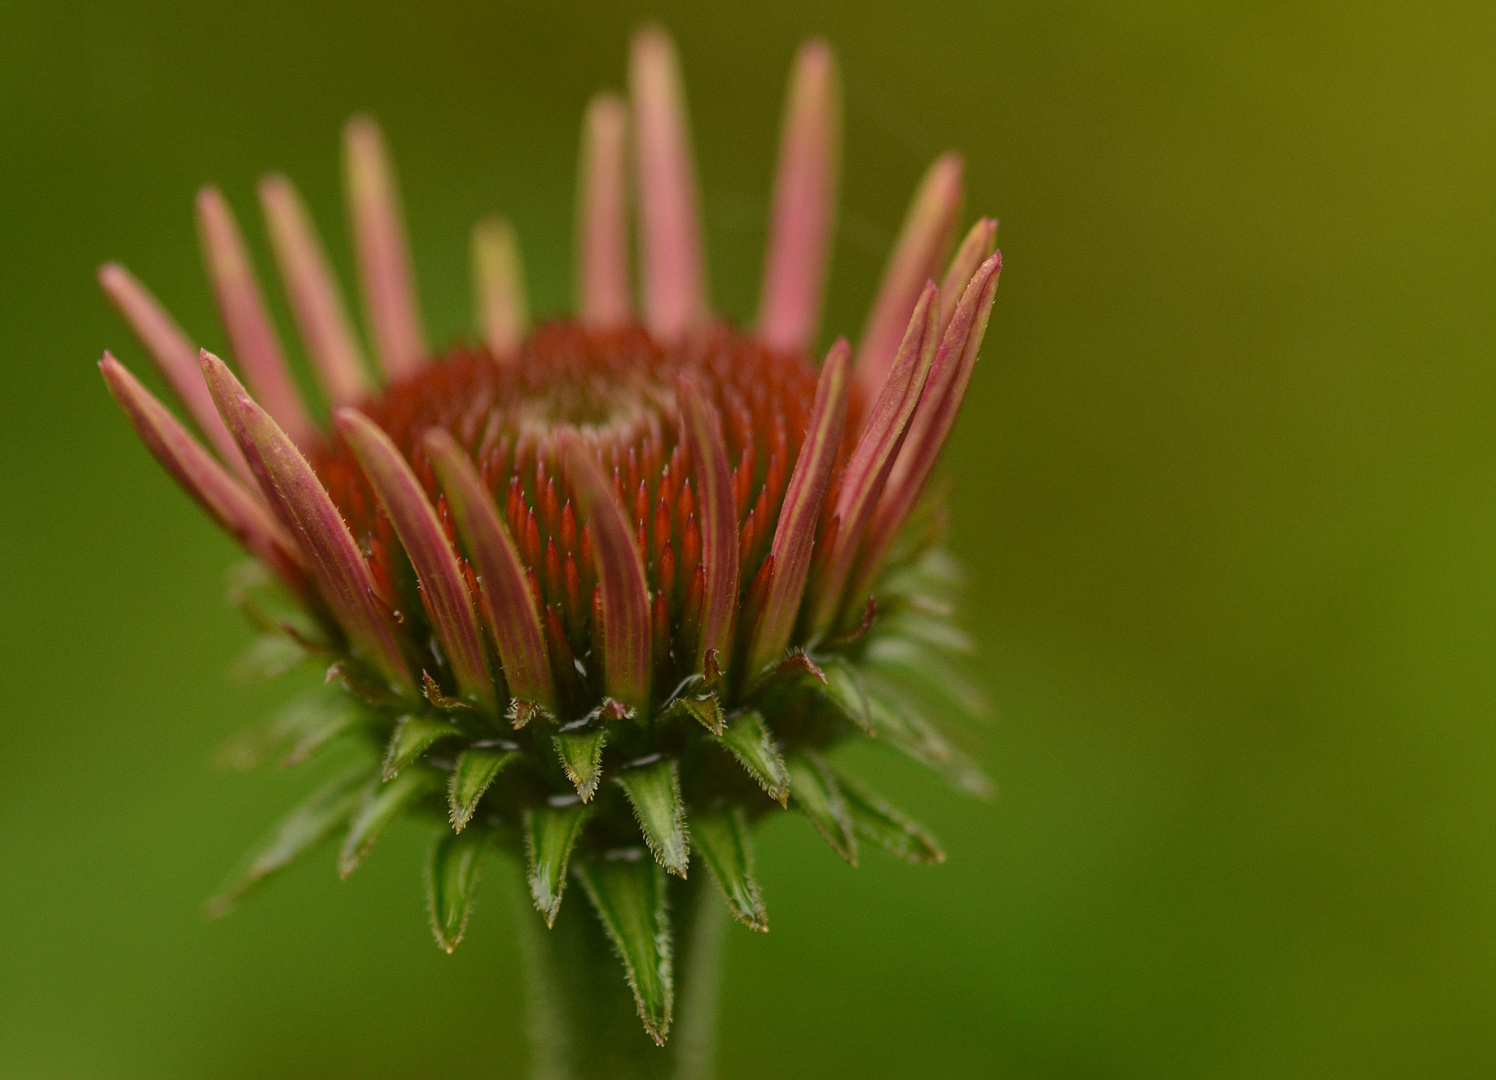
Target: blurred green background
{"points": [[1226, 492]]}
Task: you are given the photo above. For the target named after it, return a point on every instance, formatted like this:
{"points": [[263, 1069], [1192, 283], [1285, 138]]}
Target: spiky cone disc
{"points": [[600, 592]]}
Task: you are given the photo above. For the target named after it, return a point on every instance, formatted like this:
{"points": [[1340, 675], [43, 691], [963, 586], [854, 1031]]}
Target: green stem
{"points": [[583, 1022]]}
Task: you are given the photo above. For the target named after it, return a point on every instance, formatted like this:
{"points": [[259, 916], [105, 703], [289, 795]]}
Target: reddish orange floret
{"points": [[618, 387]]}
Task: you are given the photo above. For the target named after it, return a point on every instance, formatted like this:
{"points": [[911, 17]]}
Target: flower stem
{"points": [[582, 1018]]}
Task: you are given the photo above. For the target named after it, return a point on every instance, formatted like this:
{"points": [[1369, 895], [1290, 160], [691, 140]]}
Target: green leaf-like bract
{"points": [[722, 839], [451, 877], [381, 806], [819, 797], [476, 769], [550, 834], [300, 831], [880, 823], [413, 736], [581, 755], [654, 792], [749, 741], [629, 896]]}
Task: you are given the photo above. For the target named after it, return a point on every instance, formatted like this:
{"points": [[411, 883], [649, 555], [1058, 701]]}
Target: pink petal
{"points": [[717, 514], [443, 589], [976, 249], [620, 574], [602, 216], [795, 535], [915, 259], [175, 357], [390, 301], [499, 287], [872, 458], [238, 511], [515, 621], [804, 204], [316, 299], [945, 389], [243, 312], [669, 228], [304, 508]]}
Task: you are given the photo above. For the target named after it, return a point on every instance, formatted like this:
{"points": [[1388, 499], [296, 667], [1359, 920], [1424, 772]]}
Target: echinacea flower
{"points": [[605, 590]]}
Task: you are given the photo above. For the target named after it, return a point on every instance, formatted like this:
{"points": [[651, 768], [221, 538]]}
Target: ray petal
{"points": [[718, 515], [316, 299], [867, 470], [977, 248], [239, 511], [916, 257], [602, 275], [669, 225], [501, 573], [255, 344], [931, 425], [620, 574], [804, 215], [175, 357], [443, 590], [794, 537], [503, 308], [389, 290], [308, 513]]}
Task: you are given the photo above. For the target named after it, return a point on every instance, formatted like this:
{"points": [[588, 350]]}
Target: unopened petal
{"points": [[443, 590], [718, 515], [254, 341], [175, 357], [390, 302], [915, 259], [503, 308], [873, 457], [510, 605], [316, 299], [620, 574], [602, 275], [296, 495], [669, 226], [795, 535], [804, 203]]}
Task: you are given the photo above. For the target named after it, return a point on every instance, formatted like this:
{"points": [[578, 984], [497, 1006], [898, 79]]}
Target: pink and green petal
{"points": [[389, 290], [236, 509], [510, 605], [443, 590], [254, 341], [674, 267], [794, 538], [916, 258], [804, 204], [620, 574], [873, 457], [718, 516], [503, 308], [304, 508], [316, 299], [602, 274], [175, 357]]}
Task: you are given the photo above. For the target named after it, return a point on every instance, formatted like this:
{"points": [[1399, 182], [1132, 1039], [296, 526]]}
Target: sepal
{"points": [[299, 832], [382, 806], [723, 841], [629, 897], [476, 769], [749, 741], [819, 797], [451, 879], [550, 834], [654, 792]]}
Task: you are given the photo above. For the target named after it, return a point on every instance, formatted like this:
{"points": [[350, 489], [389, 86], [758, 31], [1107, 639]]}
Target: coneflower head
{"points": [[602, 591]]}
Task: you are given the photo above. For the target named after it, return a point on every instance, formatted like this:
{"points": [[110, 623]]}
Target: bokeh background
{"points": [[1227, 491]]}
